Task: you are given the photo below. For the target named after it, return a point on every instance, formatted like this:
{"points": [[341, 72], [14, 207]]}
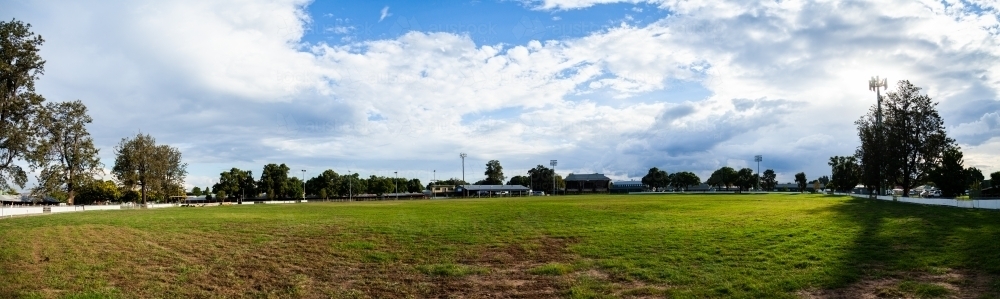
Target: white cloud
{"points": [[385, 13], [236, 86]]}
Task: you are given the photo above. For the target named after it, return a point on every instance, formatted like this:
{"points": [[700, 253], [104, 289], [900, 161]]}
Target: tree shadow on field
{"points": [[898, 241]]}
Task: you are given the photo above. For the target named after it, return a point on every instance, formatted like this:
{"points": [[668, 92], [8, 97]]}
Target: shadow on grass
{"points": [[896, 240]]}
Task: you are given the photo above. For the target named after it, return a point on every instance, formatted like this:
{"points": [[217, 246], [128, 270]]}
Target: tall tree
{"points": [[327, 182], [236, 182], [67, 154], [414, 186], [379, 185], [745, 179], [656, 178], [274, 180], [800, 179], [769, 180], [494, 173], [294, 188], [950, 176], [196, 191], [868, 154], [541, 178], [141, 162], [915, 136], [846, 172], [995, 179], [20, 66]]}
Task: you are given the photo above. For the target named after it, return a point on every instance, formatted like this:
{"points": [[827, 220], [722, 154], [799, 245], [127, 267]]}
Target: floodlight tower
{"points": [[553, 164], [350, 186], [395, 184], [757, 159], [463, 155], [303, 184], [876, 85]]}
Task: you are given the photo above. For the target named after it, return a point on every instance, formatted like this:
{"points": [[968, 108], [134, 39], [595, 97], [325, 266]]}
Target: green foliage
{"points": [[769, 180], [274, 180], [800, 179], [196, 191], [520, 180], [722, 177], [745, 179], [995, 177], [684, 179], [141, 162], [542, 177], [236, 183], [20, 106], [494, 173], [69, 157], [656, 178], [94, 191], [950, 176], [846, 172], [450, 270]]}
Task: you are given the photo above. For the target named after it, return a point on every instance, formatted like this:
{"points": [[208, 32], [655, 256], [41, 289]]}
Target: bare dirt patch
{"points": [[949, 284]]}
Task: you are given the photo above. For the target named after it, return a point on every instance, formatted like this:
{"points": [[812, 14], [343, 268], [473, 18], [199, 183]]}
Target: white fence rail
{"points": [[992, 204]]}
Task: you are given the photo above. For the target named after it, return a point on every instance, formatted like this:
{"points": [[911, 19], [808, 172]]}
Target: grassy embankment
{"points": [[575, 246]]}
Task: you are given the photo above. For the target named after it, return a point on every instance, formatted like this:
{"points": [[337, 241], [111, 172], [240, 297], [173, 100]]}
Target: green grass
{"points": [[576, 246]]}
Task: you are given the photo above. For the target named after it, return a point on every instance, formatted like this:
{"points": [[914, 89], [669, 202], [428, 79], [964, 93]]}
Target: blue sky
{"points": [[606, 86]]}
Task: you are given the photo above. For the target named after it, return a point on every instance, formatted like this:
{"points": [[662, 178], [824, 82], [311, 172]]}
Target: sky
{"points": [[607, 86]]}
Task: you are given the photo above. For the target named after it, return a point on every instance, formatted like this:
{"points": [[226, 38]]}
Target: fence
{"points": [[992, 204]]}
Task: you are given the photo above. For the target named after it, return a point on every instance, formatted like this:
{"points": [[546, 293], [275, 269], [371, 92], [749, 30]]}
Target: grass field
{"points": [[749, 246]]}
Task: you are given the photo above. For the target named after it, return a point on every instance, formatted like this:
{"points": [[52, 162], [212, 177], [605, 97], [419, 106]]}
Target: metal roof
{"points": [[492, 188], [627, 183], [587, 177]]}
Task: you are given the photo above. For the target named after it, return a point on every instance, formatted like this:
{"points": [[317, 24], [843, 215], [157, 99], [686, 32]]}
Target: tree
{"points": [[974, 175], [221, 195], [846, 172], [769, 180], [141, 162], [745, 179], [722, 177], [494, 173], [274, 180], [915, 136], [327, 182], [684, 179], [379, 185], [656, 178], [950, 176], [20, 66], [872, 167], [351, 184], [541, 178], [293, 188], [196, 191], [995, 178], [66, 152], [414, 186], [800, 179], [234, 182], [823, 180], [322, 194], [519, 180]]}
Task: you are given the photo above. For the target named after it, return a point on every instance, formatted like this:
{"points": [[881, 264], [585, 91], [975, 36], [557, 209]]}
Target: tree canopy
{"points": [[656, 178], [141, 162], [800, 179], [494, 173], [20, 66], [67, 154]]}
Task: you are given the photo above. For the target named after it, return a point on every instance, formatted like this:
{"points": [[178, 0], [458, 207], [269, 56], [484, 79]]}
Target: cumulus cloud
{"points": [[235, 84]]}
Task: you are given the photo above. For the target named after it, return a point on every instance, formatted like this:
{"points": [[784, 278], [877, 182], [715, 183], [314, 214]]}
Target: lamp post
{"points": [[553, 164], [350, 186], [395, 184], [303, 184], [876, 85], [463, 155], [757, 159]]}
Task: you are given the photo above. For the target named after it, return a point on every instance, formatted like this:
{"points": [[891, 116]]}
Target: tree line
{"points": [[52, 138]]}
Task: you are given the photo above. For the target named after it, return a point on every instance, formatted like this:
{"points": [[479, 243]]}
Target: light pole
{"points": [[463, 155], [303, 184], [434, 183], [553, 164], [876, 85], [350, 186], [757, 159], [395, 184]]}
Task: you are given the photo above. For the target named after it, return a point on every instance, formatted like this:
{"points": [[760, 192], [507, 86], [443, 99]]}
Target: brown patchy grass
{"points": [[581, 247]]}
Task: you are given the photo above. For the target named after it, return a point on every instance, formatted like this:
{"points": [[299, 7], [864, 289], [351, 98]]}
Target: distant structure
{"points": [[587, 183], [627, 186]]}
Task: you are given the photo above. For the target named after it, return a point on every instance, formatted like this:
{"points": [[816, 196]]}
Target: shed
{"points": [[594, 182], [492, 190]]}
